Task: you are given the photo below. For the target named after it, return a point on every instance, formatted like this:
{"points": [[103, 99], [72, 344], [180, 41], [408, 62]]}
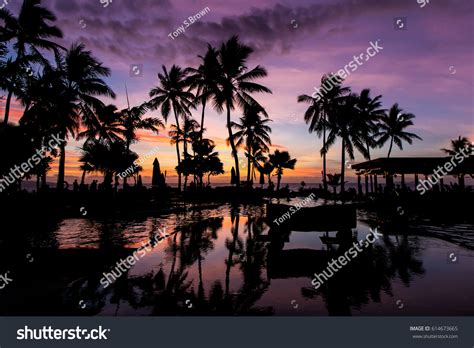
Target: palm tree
{"points": [[392, 126], [371, 112], [348, 124], [334, 180], [81, 75], [235, 87], [321, 109], [214, 166], [184, 134], [86, 168], [254, 133], [131, 119], [267, 169], [204, 80], [172, 94], [281, 160], [31, 31], [457, 146], [109, 158], [104, 124], [257, 155]]}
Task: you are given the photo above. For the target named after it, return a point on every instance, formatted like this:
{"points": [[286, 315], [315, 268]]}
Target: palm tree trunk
{"points": [[371, 180], [124, 178], [202, 118], [232, 145], [62, 163], [325, 185], [248, 170], [461, 181], [83, 178], [343, 165], [232, 247], [10, 92], [43, 179], [7, 107], [390, 149], [249, 150], [37, 183], [177, 148]]}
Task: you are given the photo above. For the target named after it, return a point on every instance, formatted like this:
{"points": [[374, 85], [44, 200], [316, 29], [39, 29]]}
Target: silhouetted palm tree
{"points": [[235, 86], [131, 119], [31, 31], [267, 169], [392, 126], [172, 94], [321, 109], [256, 157], [253, 133], [86, 168], [82, 76], [457, 146], [68, 93], [280, 161], [371, 111], [334, 180], [184, 134], [348, 124], [103, 124], [204, 80], [109, 158]]}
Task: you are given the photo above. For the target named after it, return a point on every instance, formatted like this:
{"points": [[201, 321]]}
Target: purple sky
{"points": [[427, 68]]}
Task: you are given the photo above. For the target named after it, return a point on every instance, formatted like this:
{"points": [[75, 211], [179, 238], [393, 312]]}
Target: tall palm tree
{"points": [[458, 145], [204, 80], [281, 160], [321, 109], [392, 126], [253, 133], [172, 94], [235, 86], [31, 31], [348, 124], [82, 76], [70, 91], [371, 112]]}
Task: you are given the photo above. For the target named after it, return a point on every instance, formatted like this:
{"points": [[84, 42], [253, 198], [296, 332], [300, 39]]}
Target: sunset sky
{"points": [[427, 68]]}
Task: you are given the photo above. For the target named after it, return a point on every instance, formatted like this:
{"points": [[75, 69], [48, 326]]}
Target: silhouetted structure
{"points": [[409, 165], [158, 178]]}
